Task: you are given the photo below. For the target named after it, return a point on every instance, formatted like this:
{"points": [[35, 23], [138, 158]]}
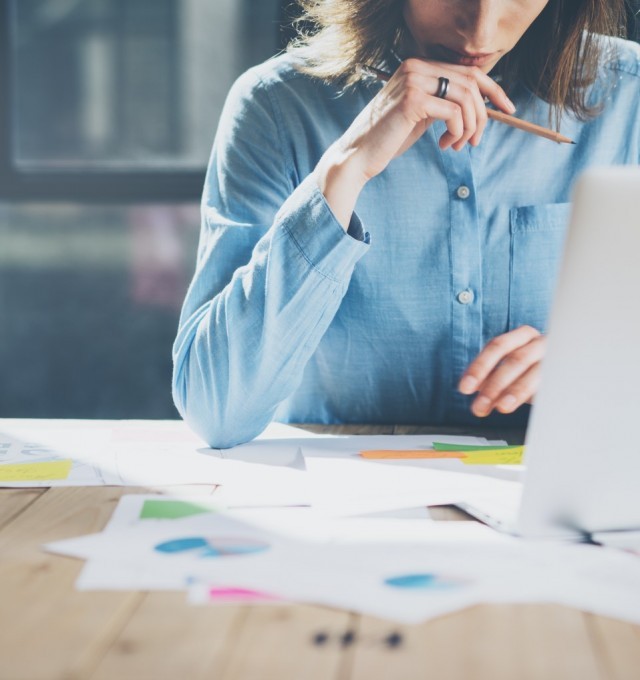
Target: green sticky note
{"points": [[172, 509], [443, 446], [35, 472]]}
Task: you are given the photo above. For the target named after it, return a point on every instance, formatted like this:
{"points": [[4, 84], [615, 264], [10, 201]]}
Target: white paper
{"points": [[90, 466], [132, 558], [130, 453], [356, 486], [461, 570], [97, 574], [266, 472], [407, 570]]}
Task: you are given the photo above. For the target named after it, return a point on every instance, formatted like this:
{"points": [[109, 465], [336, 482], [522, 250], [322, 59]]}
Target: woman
{"points": [[362, 242]]}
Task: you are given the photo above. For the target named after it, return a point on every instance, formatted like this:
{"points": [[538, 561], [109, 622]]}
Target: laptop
{"points": [[582, 447]]}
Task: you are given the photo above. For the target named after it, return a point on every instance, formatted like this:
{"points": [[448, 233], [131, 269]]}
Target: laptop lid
{"points": [[583, 440]]}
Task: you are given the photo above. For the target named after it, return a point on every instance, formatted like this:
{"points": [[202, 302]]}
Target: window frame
{"points": [[77, 185]]}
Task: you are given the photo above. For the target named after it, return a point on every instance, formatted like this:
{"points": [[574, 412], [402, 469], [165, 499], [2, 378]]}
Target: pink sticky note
{"points": [[239, 596]]}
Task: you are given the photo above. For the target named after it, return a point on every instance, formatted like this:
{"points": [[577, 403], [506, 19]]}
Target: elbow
{"points": [[220, 432], [219, 424], [214, 408], [219, 435]]}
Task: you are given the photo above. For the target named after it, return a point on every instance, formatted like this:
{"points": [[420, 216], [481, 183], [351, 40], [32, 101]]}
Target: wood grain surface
{"points": [[50, 631]]}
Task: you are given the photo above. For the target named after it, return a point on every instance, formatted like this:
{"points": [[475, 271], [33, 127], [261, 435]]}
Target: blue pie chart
{"points": [[212, 547], [423, 582]]}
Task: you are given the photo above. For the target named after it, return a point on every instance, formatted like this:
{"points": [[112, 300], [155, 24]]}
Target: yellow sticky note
{"points": [[512, 456], [35, 472]]}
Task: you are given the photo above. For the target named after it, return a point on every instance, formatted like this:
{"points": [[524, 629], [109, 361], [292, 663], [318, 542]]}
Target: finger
{"points": [[503, 383], [463, 96], [450, 113], [511, 367], [398, 115], [463, 90], [493, 353], [518, 393], [486, 85], [522, 391], [482, 116], [458, 93], [472, 98]]}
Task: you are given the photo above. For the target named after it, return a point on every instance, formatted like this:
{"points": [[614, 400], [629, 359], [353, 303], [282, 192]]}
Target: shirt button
{"points": [[463, 192], [465, 297]]}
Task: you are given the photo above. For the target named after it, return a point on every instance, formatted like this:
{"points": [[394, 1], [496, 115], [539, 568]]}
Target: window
{"points": [[119, 99], [108, 110]]}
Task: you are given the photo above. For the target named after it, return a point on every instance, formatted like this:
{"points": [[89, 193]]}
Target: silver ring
{"points": [[443, 88]]}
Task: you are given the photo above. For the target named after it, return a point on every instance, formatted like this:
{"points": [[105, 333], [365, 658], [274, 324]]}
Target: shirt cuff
{"points": [[309, 221]]}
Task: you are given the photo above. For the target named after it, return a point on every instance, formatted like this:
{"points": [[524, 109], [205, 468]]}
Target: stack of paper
{"points": [[255, 545], [408, 569], [285, 466]]}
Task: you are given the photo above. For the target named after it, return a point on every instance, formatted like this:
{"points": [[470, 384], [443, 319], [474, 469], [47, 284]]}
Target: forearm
{"points": [[340, 178], [241, 353]]}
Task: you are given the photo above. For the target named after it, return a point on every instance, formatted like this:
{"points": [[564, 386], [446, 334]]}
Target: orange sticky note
{"points": [[417, 454]]}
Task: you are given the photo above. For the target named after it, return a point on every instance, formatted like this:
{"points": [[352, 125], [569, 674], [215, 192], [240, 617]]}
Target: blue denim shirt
{"points": [[288, 317]]}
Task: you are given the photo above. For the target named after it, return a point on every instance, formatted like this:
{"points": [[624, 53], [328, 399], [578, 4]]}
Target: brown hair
{"points": [[557, 58]]}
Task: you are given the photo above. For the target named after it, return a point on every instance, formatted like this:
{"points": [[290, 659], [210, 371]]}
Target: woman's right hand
{"points": [[397, 117]]}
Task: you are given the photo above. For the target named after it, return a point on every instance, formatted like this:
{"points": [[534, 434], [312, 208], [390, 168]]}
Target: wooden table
{"points": [[49, 630]]}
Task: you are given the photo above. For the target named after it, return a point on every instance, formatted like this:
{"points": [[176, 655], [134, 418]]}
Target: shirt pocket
{"points": [[537, 239]]}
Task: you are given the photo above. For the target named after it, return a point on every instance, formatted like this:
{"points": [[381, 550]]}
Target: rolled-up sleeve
{"points": [[273, 266]]}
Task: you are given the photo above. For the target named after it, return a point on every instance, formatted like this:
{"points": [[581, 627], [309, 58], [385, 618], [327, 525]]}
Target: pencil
{"points": [[526, 126], [499, 116]]}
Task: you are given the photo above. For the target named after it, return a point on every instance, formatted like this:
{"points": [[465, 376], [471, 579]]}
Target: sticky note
{"points": [[239, 596], [35, 472], [443, 446], [392, 454], [172, 509], [510, 456], [483, 455]]}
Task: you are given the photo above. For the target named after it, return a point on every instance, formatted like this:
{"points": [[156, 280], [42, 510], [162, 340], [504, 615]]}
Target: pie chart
{"points": [[424, 582], [207, 547]]}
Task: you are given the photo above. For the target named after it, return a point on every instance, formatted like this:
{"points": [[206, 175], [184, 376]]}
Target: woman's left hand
{"points": [[506, 373]]}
